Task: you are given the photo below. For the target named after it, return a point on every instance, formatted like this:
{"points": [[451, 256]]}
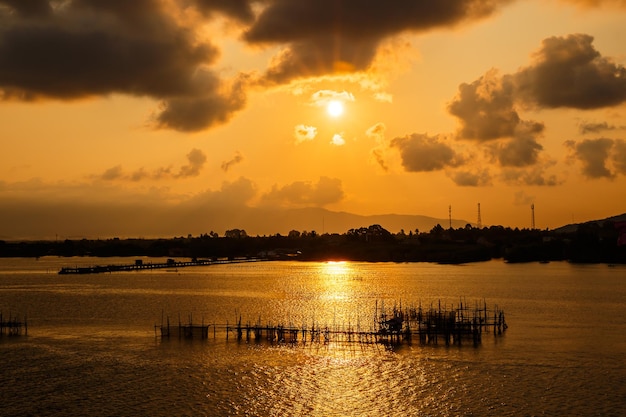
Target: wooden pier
{"points": [[12, 326], [426, 326], [139, 265]]}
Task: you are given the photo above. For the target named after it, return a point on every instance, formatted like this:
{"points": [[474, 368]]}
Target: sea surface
{"points": [[92, 348]]}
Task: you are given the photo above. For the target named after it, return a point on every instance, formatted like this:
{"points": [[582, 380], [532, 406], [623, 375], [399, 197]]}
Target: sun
{"points": [[335, 108]]}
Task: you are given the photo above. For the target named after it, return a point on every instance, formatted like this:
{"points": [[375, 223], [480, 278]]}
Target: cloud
{"points": [[378, 153], [330, 37], [588, 127], [619, 156], [113, 173], [593, 154], [304, 133], [520, 150], [535, 176], [485, 108], [566, 72], [569, 72], [467, 178], [325, 191], [29, 8], [321, 98], [86, 48], [383, 97], [338, 140], [227, 165], [240, 10], [422, 153], [377, 132], [191, 114], [196, 161]]}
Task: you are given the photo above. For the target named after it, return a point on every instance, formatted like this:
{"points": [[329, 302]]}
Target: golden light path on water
{"points": [[334, 277]]}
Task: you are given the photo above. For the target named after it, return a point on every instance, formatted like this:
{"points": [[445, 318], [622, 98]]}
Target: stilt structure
{"points": [[434, 325]]}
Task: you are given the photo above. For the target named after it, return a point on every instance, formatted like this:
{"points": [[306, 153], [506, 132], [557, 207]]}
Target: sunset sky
{"points": [[125, 111]]}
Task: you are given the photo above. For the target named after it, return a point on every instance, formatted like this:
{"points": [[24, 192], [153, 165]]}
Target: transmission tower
{"points": [[480, 222], [532, 213]]}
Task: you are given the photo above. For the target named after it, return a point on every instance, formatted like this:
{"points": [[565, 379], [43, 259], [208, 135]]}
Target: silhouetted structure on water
{"points": [[431, 325], [12, 326]]}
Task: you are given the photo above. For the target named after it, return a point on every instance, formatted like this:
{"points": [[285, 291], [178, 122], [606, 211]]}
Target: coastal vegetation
{"points": [[591, 242]]}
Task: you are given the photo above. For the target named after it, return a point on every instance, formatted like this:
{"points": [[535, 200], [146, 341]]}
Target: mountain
{"points": [[571, 228], [90, 221]]}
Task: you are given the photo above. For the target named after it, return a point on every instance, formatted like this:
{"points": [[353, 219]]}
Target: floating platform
{"points": [[139, 265], [427, 326]]}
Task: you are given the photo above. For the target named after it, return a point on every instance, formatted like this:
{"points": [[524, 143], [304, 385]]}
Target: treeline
{"points": [[590, 243]]}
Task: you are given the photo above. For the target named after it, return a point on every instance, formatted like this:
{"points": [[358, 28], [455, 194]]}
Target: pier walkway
{"points": [[139, 265]]}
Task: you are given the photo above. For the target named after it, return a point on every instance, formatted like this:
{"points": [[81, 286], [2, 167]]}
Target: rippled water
{"points": [[91, 347]]}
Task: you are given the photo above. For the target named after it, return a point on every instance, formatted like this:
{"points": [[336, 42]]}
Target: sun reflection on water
{"points": [[334, 279]]}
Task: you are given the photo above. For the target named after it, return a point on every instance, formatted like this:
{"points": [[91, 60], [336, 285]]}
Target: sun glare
{"points": [[335, 108]]}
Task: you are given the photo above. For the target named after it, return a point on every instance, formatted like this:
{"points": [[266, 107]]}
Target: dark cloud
{"points": [[214, 107], [593, 154], [227, 165], [598, 127], [520, 150], [566, 72], [328, 36], [470, 178], [517, 152], [379, 157], [29, 8], [301, 193], [535, 176], [98, 47], [196, 159], [569, 72], [377, 132], [421, 153], [113, 173], [486, 108], [238, 9], [619, 156]]}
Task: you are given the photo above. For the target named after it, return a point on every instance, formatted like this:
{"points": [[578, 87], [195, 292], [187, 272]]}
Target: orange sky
{"points": [[173, 110]]}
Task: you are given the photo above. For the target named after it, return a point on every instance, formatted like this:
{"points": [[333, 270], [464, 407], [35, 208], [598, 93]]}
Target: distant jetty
{"points": [[140, 265], [431, 325]]}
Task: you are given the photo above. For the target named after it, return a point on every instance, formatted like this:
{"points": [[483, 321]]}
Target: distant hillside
{"points": [[90, 221], [571, 228]]}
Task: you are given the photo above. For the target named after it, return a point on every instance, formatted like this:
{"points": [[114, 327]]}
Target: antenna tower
{"points": [[532, 212], [450, 215], [480, 222]]}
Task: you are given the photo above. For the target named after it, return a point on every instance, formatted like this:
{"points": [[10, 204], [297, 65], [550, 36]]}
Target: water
{"points": [[91, 347]]}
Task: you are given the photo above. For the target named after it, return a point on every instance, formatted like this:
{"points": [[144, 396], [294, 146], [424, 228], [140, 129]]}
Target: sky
{"points": [[199, 112]]}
